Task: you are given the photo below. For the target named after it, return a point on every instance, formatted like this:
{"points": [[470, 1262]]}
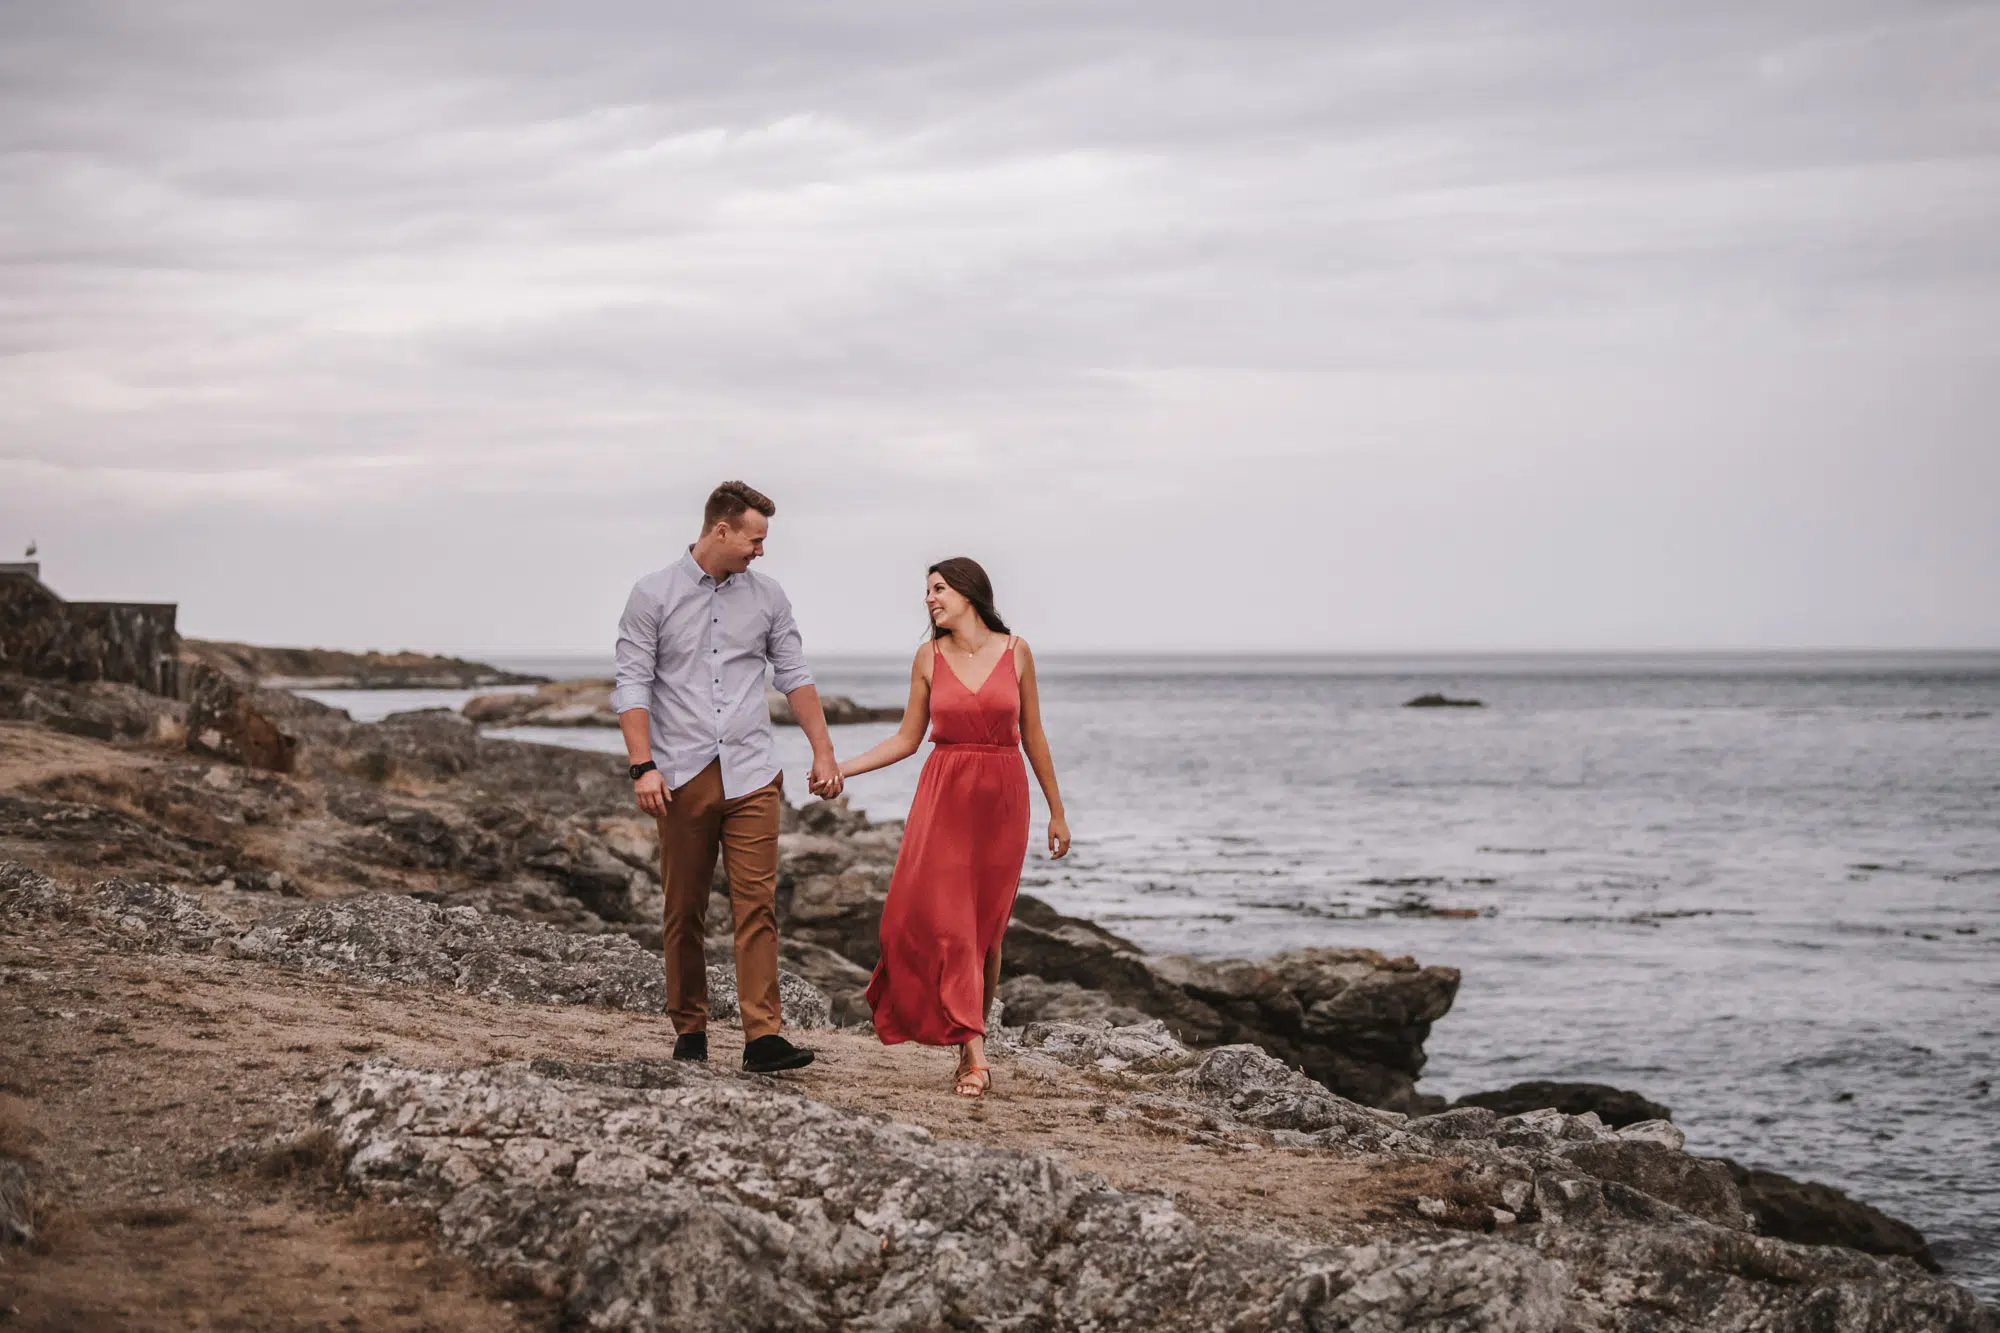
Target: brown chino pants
{"points": [[699, 822]]}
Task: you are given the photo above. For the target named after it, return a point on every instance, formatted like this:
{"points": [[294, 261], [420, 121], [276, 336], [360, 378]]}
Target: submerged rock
{"points": [[1614, 1106], [1813, 1214]]}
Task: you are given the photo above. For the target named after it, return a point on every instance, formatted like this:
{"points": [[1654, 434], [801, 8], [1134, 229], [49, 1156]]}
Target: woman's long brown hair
{"points": [[965, 577]]}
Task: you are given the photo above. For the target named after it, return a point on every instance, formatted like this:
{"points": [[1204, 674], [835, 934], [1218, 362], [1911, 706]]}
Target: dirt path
{"points": [[125, 1074]]}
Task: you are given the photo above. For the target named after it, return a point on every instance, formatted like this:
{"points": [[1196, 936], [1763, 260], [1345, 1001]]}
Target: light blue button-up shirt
{"points": [[692, 652]]}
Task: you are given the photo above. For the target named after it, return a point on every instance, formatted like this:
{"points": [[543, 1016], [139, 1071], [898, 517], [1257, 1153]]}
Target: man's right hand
{"points": [[651, 792]]}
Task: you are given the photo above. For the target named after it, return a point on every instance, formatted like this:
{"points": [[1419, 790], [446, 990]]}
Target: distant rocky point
{"points": [[1442, 701], [587, 703], [333, 669]]}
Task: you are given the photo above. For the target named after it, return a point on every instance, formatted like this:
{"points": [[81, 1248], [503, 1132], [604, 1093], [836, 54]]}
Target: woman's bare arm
{"points": [[1036, 742], [910, 735]]}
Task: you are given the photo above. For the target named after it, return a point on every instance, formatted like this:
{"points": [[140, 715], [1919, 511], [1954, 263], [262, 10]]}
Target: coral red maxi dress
{"points": [[960, 866]]}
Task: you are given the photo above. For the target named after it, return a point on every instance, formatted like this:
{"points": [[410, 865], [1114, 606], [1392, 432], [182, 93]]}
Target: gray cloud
{"points": [[1052, 278]]}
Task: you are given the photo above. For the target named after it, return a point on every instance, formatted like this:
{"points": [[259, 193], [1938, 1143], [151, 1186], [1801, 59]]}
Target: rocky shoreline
{"points": [[611, 1190], [334, 669]]}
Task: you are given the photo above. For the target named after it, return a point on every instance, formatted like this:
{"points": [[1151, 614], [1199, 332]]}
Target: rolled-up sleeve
{"points": [[785, 650], [636, 651]]}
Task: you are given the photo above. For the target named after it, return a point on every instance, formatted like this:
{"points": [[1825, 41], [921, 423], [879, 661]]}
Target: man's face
{"points": [[740, 542]]}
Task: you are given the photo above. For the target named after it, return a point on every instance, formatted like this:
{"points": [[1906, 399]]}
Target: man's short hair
{"points": [[731, 500]]}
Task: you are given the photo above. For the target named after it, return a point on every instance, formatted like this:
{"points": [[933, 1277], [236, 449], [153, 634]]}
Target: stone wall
{"points": [[41, 635]]}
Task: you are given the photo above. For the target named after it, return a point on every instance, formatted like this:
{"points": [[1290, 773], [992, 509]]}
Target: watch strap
{"points": [[640, 770]]}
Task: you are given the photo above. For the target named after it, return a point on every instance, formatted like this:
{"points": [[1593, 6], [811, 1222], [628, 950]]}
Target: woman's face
{"points": [[945, 603]]}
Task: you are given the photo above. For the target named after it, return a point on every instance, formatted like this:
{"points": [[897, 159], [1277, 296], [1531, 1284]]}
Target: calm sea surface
{"points": [[1762, 889]]}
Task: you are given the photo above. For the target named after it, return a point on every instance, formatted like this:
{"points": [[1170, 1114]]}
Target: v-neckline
{"points": [[1004, 655]]}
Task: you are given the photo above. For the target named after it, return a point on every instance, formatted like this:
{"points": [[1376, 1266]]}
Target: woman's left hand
{"points": [[1058, 837]]}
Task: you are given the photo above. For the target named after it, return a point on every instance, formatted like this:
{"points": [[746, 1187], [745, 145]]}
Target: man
{"points": [[693, 646]]}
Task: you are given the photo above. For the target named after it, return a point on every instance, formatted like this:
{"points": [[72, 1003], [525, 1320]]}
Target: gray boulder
{"points": [[801, 1003]]}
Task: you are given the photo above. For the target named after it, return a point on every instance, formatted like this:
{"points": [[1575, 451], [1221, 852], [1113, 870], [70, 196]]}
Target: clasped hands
{"points": [[825, 781]]}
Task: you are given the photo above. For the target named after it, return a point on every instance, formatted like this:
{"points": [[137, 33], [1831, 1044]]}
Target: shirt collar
{"points": [[701, 577]]}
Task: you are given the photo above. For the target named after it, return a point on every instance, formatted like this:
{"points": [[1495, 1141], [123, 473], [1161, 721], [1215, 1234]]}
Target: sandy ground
{"points": [[123, 1076]]}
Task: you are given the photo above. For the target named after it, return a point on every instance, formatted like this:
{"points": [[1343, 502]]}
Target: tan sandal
{"points": [[973, 1081]]}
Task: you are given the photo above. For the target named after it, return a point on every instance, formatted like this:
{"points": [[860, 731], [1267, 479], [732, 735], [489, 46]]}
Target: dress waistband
{"points": [[977, 748]]}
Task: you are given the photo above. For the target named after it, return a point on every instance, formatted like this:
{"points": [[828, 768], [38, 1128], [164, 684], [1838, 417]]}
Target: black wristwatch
{"points": [[640, 770]]}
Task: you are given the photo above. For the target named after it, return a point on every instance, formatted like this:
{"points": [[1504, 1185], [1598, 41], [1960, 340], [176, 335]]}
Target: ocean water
{"points": [[1762, 889]]}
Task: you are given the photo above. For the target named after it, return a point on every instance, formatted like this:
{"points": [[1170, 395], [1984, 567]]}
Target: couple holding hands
{"points": [[694, 645]]}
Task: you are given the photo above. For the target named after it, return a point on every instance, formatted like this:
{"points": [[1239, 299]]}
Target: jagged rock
{"points": [[800, 1003], [1813, 1214], [1030, 999], [43, 635], [1144, 1047], [1351, 1018], [222, 721], [1614, 1106], [144, 918], [389, 937], [646, 1194], [1259, 1091], [844, 983], [1693, 1184]]}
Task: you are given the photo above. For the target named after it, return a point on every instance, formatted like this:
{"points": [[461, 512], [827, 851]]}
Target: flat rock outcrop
{"points": [[649, 1194]]}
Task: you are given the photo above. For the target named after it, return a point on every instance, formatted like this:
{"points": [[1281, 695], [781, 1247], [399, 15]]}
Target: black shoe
{"points": [[691, 1046], [768, 1055]]}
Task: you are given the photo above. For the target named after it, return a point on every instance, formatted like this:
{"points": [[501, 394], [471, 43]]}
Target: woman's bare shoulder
{"points": [[921, 664]]}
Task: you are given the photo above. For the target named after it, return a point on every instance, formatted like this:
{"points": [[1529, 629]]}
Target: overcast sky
{"points": [[1463, 325]]}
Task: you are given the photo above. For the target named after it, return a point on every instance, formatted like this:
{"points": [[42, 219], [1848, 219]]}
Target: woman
{"points": [[953, 891]]}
